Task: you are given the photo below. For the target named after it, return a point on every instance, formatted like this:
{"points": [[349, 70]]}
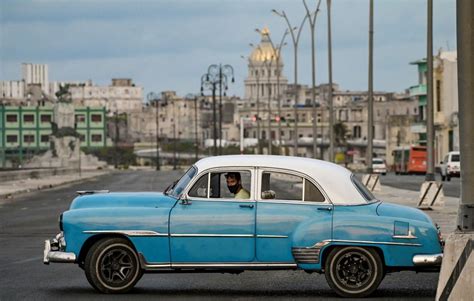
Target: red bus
{"points": [[409, 159]]}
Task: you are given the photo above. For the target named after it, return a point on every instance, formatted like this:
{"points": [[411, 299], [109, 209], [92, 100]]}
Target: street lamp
{"points": [[331, 107], [153, 99], [295, 39], [312, 23], [217, 78], [276, 54]]}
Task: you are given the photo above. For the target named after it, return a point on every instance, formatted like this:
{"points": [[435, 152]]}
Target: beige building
{"points": [[446, 107], [122, 96]]}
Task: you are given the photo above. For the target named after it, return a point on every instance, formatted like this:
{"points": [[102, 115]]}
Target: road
{"points": [[26, 221], [413, 182]]}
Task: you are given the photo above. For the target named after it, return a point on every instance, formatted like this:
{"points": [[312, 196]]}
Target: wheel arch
{"points": [[87, 245], [326, 251]]}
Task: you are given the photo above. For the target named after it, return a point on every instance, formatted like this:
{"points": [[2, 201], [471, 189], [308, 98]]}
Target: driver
{"points": [[234, 184]]}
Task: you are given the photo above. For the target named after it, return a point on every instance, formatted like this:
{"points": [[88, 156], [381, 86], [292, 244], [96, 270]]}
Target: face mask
{"points": [[234, 188]]}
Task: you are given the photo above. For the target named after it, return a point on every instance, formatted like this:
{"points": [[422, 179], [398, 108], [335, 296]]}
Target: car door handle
{"points": [[325, 208], [246, 206]]}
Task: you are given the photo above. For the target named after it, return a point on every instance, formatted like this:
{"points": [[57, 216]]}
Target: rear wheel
{"points": [[112, 266], [354, 271]]}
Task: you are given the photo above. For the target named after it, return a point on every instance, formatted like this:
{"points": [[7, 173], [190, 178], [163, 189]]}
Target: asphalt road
{"points": [[26, 221], [413, 182]]}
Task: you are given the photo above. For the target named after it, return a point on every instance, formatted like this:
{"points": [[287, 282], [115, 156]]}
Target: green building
{"points": [[25, 131], [419, 92]]}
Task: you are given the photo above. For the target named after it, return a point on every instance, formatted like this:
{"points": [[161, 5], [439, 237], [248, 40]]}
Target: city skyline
{"points": [[168, 45]]}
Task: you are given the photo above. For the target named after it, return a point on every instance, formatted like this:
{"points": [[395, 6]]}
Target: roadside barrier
{"points": [[372, 182], [431, 195], [457, 269]]}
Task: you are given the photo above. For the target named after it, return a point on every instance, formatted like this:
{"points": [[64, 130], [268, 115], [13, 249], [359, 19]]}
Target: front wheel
{"points": [[354, 271], [112, 266]]}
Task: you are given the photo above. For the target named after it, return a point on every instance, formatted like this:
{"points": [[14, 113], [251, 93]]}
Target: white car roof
{"points": [[335, 180]]}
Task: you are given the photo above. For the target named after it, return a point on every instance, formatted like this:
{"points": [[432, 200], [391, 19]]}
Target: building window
{"points": [[12, 118], [80, 118], [12, 138], [29, 139], [96, 137], [28, 118], [44, 138], [82, 137], [356, 132], [96, 118], [45, 118]]}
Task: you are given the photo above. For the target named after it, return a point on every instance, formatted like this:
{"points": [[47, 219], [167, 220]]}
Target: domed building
{"points": [[265, 80]]}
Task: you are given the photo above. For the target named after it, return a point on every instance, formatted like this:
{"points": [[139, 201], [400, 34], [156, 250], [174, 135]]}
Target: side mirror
{"points": [[184, 201], [268, 195]]}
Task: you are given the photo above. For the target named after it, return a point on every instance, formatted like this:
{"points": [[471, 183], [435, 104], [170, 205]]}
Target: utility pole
{"points": [[370, 101], [465, 41], [429, 102], [331, 107], [157, 120]]}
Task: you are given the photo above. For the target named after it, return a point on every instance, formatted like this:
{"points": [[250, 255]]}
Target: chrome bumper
{"points": [[53, 251], [428, 260]]}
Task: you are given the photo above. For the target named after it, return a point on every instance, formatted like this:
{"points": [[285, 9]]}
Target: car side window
{"points": [[232, 184], [312, 193], [281, 186]]}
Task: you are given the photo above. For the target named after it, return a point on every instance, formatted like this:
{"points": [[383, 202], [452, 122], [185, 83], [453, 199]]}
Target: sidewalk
{"points": [[10, 188], [445, 216]]}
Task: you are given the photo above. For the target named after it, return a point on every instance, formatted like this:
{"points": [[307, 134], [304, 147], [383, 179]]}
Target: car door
{"points": [[293, 214], [210, 225]]}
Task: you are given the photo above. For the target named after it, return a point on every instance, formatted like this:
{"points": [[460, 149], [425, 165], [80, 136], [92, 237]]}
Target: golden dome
{"points": [[264, 51]]}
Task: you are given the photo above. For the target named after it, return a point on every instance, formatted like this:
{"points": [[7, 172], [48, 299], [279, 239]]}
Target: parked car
{"points": [[450, 166], [379, 166], [247, 212]]}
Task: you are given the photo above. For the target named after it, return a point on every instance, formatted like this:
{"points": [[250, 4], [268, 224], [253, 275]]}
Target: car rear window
{"points": [[377, 161], [454, 158], [368, 196]]}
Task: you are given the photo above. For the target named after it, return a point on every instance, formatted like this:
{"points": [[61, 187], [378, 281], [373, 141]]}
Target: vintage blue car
{"points": [[237, 213]]}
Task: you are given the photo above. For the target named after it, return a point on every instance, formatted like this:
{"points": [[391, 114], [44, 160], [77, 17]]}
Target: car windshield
{"points": [[377, 161], [454, 158], [177, 188], [368, 196]]}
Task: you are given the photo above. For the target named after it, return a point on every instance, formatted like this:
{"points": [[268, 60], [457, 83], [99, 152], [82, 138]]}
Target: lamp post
{"points": [[257, 78], [312, 25], [153, 99], [331, 108], [217, 77], [429, 101], [276, 55], [370, 101], [295, 39]]}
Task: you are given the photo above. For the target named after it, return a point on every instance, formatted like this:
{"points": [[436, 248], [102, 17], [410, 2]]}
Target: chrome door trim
{"points": [[211, 235], [235, 265], [127, 232], [271, 236], [375, 242]]}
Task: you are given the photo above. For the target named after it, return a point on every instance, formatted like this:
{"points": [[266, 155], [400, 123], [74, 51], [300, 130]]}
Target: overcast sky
{"points": [[169, 44]]}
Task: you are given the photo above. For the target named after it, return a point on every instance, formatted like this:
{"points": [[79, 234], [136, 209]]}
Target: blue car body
{"points": [[175, 231]]}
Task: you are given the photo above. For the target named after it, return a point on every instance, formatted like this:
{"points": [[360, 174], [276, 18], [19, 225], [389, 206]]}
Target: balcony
{"points": [[418, 90]]}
